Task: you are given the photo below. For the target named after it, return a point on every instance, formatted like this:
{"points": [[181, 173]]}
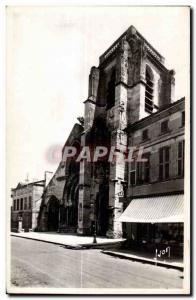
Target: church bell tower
{"points": [[130, 83]]}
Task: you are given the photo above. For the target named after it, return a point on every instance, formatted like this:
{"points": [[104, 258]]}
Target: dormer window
{"points": [[149, 90], [110, 97]]}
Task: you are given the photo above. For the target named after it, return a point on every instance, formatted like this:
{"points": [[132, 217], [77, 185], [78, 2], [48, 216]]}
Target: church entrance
{"points": [[102, 213], [69, 220], [53, 214], [72, 209]]}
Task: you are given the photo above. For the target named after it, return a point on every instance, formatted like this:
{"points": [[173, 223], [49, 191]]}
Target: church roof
{"points": [[132, 30]]}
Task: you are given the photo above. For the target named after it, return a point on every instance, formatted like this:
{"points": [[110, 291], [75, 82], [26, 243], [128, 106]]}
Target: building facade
{"points": [[26, 200], [155, 194], [130, 104]]}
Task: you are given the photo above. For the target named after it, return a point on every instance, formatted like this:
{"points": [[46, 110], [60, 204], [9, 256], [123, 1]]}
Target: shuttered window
{"points": [[149, 90], [140, 170], [181, 158], [164, 162]]}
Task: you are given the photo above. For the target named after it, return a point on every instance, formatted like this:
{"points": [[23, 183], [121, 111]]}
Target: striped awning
{"points": [[161, 209]]}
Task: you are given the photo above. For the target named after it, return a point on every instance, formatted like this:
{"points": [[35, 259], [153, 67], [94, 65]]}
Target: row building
{"points": [[26, 201]]}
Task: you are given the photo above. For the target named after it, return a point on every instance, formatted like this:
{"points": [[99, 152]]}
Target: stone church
{"points": [[130, 103]]}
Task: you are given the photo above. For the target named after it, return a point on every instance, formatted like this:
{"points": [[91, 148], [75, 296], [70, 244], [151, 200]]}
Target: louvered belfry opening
{"points": [[149, 90], [111, 90]]}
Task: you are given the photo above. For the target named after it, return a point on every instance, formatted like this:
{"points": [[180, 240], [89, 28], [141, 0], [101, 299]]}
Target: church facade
{"points": [[130, 104]]}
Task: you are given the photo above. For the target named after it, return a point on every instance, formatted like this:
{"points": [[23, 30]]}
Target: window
{"points": [[145, 134], [181, 158], [146, 167], [18, 204], [133, 172], [164, 156], [164, 127], [30, 199], [139, 173], [21, 204], [140, 170], [143, 169], [14, 204], [110, 97], [149, 90], [183, 119], [25, 203]]}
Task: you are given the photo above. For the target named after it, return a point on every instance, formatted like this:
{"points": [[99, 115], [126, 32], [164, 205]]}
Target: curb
{"points": [[50, 242], [151, 262], [69, 246], [99, 246]]}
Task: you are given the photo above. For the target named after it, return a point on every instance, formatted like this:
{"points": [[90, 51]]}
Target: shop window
{"points": [[169, 232], [149, 90], [164, 160], [145, 135], [30, 199], [110, 97], [21, 204], [181, 158], [183, 119], [164, 127]]}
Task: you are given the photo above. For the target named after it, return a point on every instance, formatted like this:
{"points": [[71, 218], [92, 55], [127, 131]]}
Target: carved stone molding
{"points": [[135, 53], [122, 64]]}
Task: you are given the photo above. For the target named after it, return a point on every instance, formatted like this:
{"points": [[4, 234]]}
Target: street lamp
{"points": [[95, 233]]}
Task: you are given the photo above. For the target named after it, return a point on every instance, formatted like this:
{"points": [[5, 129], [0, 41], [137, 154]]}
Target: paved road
{"points": [[39, 264]]}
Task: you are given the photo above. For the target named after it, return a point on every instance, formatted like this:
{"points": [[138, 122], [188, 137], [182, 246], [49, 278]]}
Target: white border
{"points": [[3, 4]]}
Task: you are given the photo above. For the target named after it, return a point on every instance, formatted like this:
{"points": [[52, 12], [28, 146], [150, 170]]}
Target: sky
{"points": [[50, 51]]}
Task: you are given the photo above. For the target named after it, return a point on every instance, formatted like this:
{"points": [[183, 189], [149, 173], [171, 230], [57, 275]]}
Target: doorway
{"points": [[53, 214], [102, 212]]}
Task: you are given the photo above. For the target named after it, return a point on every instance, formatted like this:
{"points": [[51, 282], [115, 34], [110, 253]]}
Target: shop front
{"points": [[155, 224]]}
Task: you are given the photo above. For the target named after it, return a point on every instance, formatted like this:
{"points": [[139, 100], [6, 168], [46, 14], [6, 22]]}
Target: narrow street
{"points": [[39, 264]]}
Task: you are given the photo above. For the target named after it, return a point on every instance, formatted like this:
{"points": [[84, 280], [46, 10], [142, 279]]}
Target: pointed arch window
{"points": [[149, 92]]}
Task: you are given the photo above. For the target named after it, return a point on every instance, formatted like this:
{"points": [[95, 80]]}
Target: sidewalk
{"points": [[69, 240], [145, 258]]}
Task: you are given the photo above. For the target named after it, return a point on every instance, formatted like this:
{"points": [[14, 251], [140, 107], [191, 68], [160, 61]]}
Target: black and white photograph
{"points": [[98, 150]]}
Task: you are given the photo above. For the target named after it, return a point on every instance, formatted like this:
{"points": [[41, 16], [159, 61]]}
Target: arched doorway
{"points": [[69, 222], [102, 212], [53, 214], [72, 204], [100, 136]]}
